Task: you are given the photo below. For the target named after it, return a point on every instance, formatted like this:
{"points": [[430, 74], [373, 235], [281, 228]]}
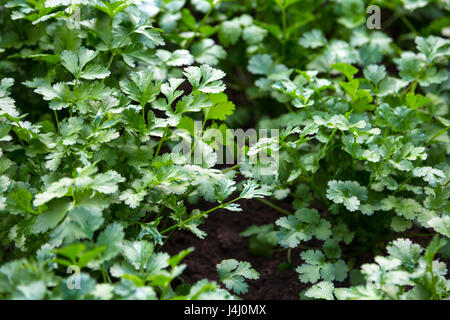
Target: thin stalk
{"points": [[288, 107], [231, 168], [299, 247], [57, 121], [113, 54], [198, 27], [324, 148], [409, 88], [71, 97], [308, 179], [284, 26], [378, 169], [309, 113], [104, 275], [161, 141], [353, 156], [143, 115], [408, 24], [437, 135], [284, 21], [199, 215], [400, 187], [318, 192], [274, 206], [166, 239], [197, 137]]}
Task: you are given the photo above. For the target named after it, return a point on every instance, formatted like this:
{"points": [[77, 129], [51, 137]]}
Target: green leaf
{"points": [[431, 175], [261, 64], [252, 190], [332, 249], [441, 225], [416, 101], [72, 252], [223, 189], [96, 71], [229, 32], [89, 255], [107, 182], [153, 35], [75, 62], [375, 73], [55, 212], [321, 290], [433, 47], [351, 88], [137, 252], [141, 87], [205, 78], [221, 107], [406, 251], [111, 238], [85, 221], [308, 273], [346, 69], [313, 257], [233, 274], [176, 58], [313, 39], [20, 202], [254, 34], [206, 51], [349, 193], [292, 232]]}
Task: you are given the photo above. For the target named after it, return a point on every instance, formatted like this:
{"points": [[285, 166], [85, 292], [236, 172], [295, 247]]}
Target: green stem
{"points": [[324, 148], [409, 87], [284, 26], [113, 54], [437, 135], [400, 187], [71, 97], [318, 192], [307, 179], [143, 115], [288, 107], [231, 168], [199, 215], [166, 239], [372, 178], [57, 121], [198, 27], [274, 206], [104, 275], [309, 113], [409, 24], [353, 156], [197, 137], [161, 141]]}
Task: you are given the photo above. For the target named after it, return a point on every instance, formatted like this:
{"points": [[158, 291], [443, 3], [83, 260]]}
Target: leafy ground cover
{"points": [[98, 202]]}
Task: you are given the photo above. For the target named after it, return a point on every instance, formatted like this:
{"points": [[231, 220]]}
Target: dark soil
{"points": [[224, 242]]}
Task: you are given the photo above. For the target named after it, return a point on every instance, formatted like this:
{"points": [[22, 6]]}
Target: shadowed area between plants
{"points": [[224, 242]]}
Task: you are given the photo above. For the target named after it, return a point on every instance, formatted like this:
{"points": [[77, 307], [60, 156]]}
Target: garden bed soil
{"points": [[224, 242]]}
